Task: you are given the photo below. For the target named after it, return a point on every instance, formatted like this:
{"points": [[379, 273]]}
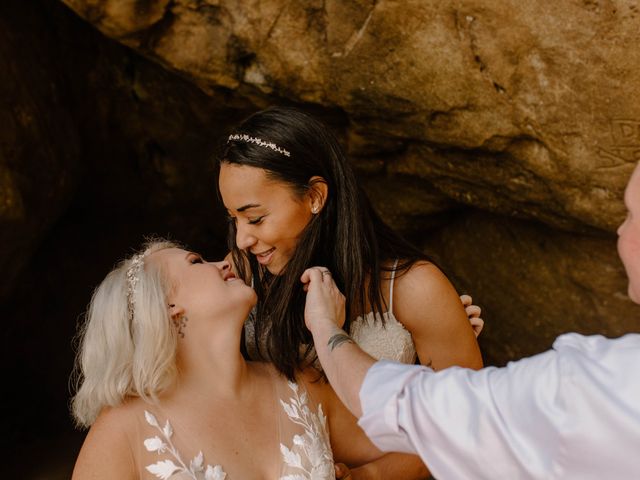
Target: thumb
{"points": [[306, 277], [341, 470]]}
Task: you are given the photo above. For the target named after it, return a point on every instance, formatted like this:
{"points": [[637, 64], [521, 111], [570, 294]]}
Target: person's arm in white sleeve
{"points": [[493, 423], [463, 423]]}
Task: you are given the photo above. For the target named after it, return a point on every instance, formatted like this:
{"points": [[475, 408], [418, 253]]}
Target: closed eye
{"points": [[195, 258], [256, 221]]}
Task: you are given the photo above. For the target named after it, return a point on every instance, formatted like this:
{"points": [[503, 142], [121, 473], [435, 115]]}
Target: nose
{"points": [[622, 225], [222, 265], [244, 240]]}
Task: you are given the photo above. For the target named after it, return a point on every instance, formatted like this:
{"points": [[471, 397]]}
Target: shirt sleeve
{"points": [[466, 423]]}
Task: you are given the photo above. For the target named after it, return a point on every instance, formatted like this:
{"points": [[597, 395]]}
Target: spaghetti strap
{"points": [[393, 277]]}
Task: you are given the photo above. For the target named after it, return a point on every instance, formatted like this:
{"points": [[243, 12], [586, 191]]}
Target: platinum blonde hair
{"points": [[123, 351]]}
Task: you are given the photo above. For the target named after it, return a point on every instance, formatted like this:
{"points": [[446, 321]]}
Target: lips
{"points": [[228, 276], [265, 257]]}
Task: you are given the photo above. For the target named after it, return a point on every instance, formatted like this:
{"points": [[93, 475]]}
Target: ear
{"points": [[175, 311], [318, 193]]}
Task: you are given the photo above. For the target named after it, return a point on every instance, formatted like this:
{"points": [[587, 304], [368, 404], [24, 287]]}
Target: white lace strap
{"points": [[393, 277]]}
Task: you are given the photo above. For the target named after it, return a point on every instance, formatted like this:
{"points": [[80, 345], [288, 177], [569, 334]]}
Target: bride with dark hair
{"points": [[166, 392], [294, 202]]}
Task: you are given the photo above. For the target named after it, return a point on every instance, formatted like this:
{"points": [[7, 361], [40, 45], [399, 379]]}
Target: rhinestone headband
{"points": [[241, 137], [133, 273]]}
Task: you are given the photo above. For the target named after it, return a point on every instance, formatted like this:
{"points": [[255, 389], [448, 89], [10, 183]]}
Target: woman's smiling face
{"points": [[269, 215], [202, 289]]}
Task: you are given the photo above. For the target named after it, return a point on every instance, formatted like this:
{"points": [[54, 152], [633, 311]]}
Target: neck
{"points": [[212, 368]]}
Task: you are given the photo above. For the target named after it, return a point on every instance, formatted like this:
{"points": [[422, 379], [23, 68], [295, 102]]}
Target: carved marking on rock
{"points": [[625, 133], [625, 143]]}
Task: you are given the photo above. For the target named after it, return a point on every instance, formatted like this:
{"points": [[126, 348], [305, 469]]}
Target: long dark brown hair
{"points": [[347, 236]]}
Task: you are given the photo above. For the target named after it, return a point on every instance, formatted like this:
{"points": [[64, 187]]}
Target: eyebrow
{"points": [[247, 207]]}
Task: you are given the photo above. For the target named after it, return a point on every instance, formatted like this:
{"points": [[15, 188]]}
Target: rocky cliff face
{"points": [[527, 110], [498, 135]]}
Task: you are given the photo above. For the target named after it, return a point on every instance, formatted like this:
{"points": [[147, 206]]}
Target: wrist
{"points": [[324, 328]]}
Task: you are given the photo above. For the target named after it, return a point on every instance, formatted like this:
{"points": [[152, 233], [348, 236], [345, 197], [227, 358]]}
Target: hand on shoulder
{"points": [[473, 313]]}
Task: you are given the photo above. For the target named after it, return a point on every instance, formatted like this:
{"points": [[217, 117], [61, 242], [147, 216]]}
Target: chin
{"points": [[254, 298], [274, 269]]}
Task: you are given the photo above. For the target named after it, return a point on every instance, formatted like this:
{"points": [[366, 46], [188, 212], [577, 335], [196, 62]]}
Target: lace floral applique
{"points": [[165, 469], [310, 453]]}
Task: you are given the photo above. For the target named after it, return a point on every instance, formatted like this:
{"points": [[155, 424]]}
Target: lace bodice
{"points": [[304, 445], [388, 341]]}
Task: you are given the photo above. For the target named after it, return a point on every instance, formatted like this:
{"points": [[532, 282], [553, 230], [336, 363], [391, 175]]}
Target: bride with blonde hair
{"points": [[167, 394]]}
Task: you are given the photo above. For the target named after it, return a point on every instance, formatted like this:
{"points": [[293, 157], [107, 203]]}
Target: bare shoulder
{"points": [[423, 271], [427, 304], [107, 451], [424, 285]]}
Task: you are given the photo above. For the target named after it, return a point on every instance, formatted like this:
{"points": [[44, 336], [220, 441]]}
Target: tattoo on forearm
{"points": [[338, 339]]}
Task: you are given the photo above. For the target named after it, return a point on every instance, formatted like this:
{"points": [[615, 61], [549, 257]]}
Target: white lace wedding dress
{"points": [[304, 444]]}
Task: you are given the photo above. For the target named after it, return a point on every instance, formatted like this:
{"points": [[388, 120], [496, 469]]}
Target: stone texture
{"points": [[409, 205], [529, 110], [534, 282]]}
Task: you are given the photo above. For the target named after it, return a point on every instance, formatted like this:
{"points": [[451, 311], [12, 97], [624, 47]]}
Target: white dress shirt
{"points": [[569, 413]]}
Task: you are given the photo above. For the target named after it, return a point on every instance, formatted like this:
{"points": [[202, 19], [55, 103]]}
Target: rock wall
{"points": [[524, 111], [527, 110], [534, 282]]}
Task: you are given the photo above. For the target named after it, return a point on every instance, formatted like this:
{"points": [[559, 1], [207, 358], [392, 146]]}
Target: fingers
{"points": [[315, 274], [308, 274], [324, 302], [466, 300], [342, 471], [473, 311], [477, 324]]}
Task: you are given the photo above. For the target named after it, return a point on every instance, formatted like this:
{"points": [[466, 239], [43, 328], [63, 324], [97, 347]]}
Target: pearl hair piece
{"points": [[137, 262], [241, 137]]}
